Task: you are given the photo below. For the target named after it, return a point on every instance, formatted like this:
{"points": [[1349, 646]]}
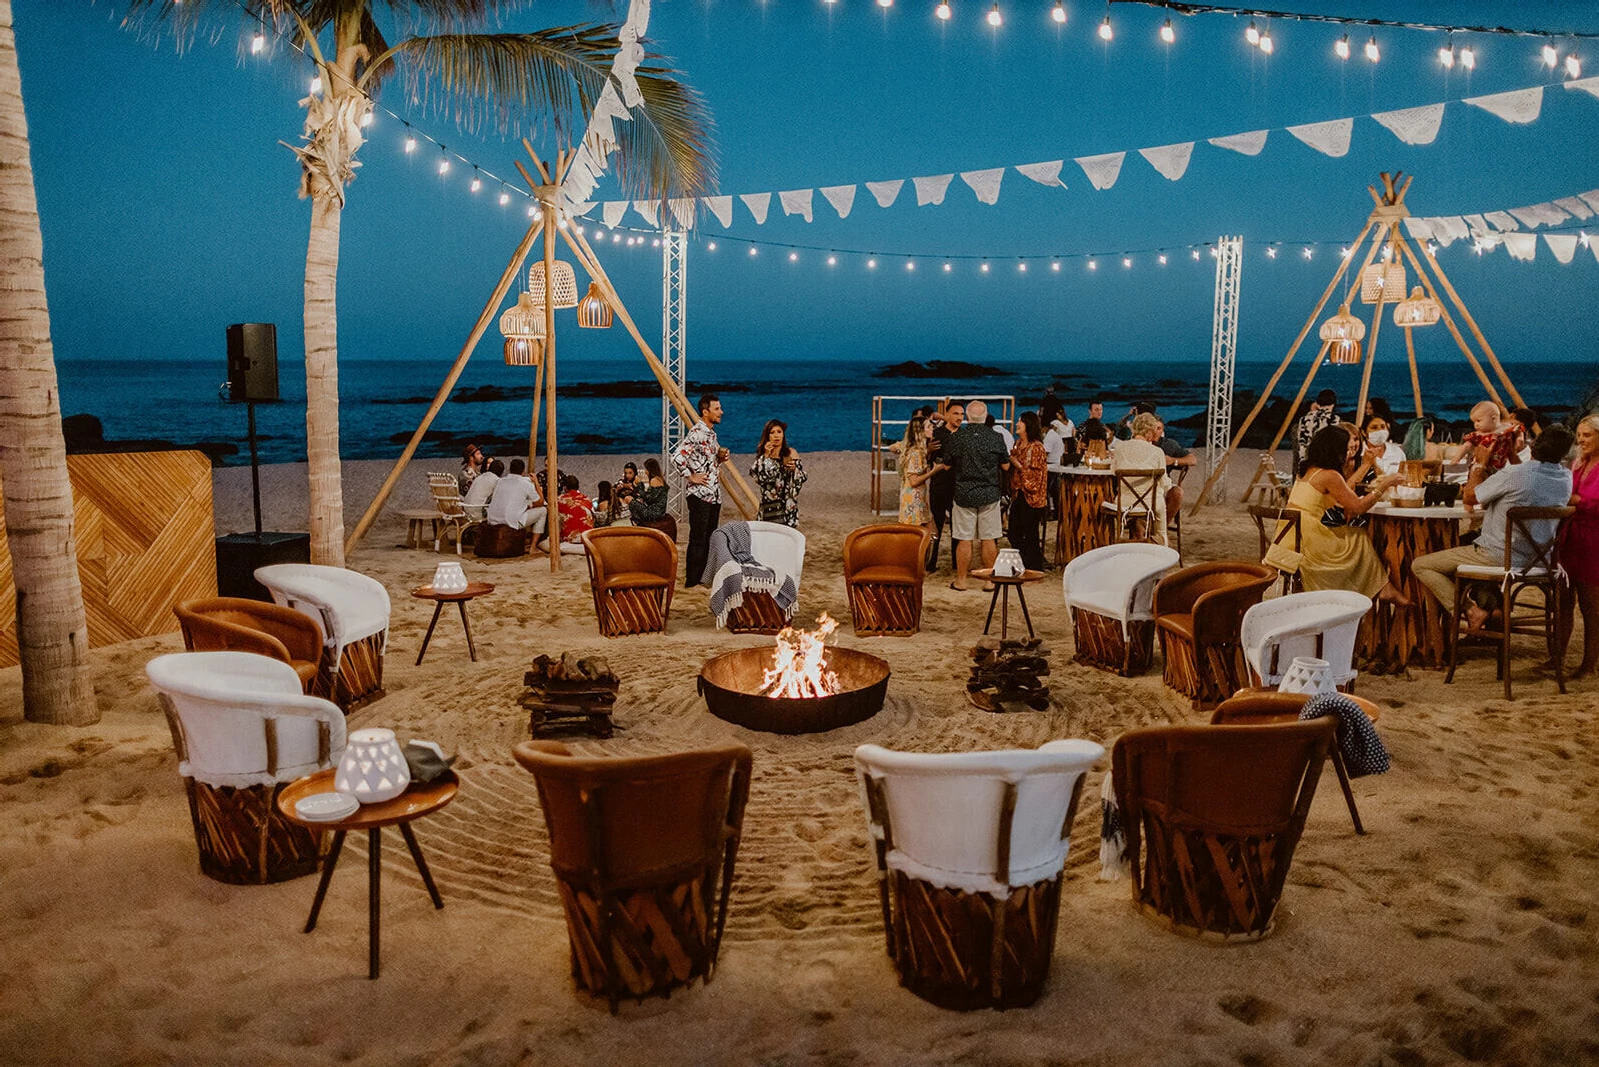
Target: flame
{"points": [[799, 665]]}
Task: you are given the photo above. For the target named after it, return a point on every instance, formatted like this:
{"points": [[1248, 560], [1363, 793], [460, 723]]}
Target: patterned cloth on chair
{"points": [[1362, 749], [733, 571]]}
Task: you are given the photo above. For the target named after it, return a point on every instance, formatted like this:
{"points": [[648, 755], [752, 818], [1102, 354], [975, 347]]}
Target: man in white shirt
{"points": [[1055, 435], [516, 501], [1142, 453], [482, 489]]}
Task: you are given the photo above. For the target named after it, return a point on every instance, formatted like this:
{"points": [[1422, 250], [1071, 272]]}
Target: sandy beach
{"points": [[1461, 928]]}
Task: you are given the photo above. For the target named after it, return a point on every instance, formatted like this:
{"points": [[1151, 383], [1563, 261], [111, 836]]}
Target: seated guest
{"points": [[622, 492], [482, 488], [515, 502], [1490, 442], [604, 504], [1335, 554], [649, 502], [1142, 453], [577, 515], [1176, 455], [1539, 483], [1386, 453], [1093, 428], [1421, 441], [472, 464]]}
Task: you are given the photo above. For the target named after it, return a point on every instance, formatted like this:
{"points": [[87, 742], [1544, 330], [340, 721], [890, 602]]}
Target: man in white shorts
{"points": [[980, 460]]}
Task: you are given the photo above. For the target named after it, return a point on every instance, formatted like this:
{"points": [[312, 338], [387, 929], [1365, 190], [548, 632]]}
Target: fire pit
{"points": [[801, 688]]}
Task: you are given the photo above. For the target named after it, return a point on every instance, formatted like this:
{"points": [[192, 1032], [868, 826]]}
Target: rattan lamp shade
{"points": [[593, 312], [523, 327], [1418, 309], [565, 284], [1382, 281], [1343, 332]]}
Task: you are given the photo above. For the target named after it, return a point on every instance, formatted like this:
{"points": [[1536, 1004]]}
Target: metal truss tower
{"points": [[1223, 348], [674, 349]]}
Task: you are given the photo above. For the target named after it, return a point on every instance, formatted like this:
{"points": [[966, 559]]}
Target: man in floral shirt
{"points": [[696, 461]]}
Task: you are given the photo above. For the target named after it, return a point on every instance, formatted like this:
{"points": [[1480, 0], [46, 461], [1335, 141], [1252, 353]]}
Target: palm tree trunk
{"points": [[322, 382], [52, 637]]}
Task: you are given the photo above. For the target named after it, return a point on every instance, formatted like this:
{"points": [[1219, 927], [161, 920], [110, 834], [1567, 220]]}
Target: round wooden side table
{"points": [[459, 598], [1002, 587]]}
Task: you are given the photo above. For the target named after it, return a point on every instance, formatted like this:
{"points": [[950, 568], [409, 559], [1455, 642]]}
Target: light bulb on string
{"points": [[1551, 56], [710, 246], [832, 261], [505, 198], [948, 267], [257, 43], [1167, 33], [1252, 34], [752, 250], [1093, 264], [366, 118], [1127, 261], [1344, 252], [871, 264], [994, 18], [1266, 45], [1446, 54], [566, 224], [410, 144], [532, 211], [1271, 253], [1195, 253], [1432, 249], [1582, 238], [1307, 253], [316, 84], [1161, 259], [656, 243], [1372, 53], [1105, 32], [1058, 13], [885, 3], [477, 183], [984, 267], [1021, 268], [910, 264], [793, 257], [444, 165], [1573, 66], [943, 11], [1055, 266], [1341, 48], [1468, 58], [616, 239]]}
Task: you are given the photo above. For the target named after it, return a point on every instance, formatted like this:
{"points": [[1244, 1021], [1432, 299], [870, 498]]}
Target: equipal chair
{"points": [[1322, 625], [1265, 708], [884, 566], [1199, 611], [353, 611], [453, 514], [970, 851], [631, 572], [1538, 529], [243, 729], [1109, 592], [1212, 817], [782, 548], [643, 851], [226, 623]]}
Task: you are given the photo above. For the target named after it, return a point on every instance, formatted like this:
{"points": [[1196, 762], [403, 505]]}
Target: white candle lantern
{"points": [[373, 769], [449, 578], [1008, 564], [1308, 675]]}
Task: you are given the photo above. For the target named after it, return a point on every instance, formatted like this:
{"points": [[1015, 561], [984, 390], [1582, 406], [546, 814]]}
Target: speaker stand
{"points": [[255, 470]]}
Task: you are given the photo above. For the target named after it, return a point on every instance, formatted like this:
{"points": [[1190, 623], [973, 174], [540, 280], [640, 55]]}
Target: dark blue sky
{"points": [[169, 207]]}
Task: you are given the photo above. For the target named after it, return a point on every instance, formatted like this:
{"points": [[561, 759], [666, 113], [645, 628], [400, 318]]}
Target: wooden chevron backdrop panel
{"points": [[146, 540]]}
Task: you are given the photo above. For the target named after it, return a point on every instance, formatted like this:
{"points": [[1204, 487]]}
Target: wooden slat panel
{"points": [[146, 540]]}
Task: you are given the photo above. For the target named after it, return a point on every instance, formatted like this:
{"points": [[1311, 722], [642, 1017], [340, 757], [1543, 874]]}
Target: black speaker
{"points": [[238, 555], [252, 362]]}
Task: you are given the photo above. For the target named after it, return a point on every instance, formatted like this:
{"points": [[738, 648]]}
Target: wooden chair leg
{"points": [[1454, 636], [1552, 627], [1349, 794], [1507, 609]]}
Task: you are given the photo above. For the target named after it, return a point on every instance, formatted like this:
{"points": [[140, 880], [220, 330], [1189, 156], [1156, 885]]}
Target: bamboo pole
{"points": [[1476, 331], [1415, 376], [490, 310], [552, 487], [533, 429], [740, 492], [1265, 395], [1288, 420], [1371, 349], [1454, 331]]}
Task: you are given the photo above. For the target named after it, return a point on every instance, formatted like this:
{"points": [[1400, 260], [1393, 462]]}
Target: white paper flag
{"points": [[1539, 215], [1413, 125], [1591, 199], [628, 58], [650, 209], [721, 207], [683, 212], [1102, 170], [1171, 160], [1593, 246], [1575, 206], [1248, 144], [1448, 229], [885, 192], [1044, 173], [1518, 106], [796, 202], [1587, 85], [985, 183], [1501, 220], [1478, 225], [1420, 228], [1563, 245], [1522, 246], [580, 210], [842, 197], [930, 190], [1329, 138], [758, 203], [611, 214]]}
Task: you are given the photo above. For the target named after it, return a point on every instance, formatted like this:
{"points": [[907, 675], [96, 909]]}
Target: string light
{"points": [[1271, 253], [1307, 252], [910, 264], [948, 267], [1105, 32], [871, 264], [1582, 236], [1167, 33], [1468, 58], [316, 84], [1371, 50], [752, 250], [832, 261], [1058, 13], [1161, 259], [1573, 66], [885, 3], [257, 43], [984, 267], [410, 144], [1341, 49], [710, 246], [477, 183], [1021, 267], [1252, 35], [1265, 41], [793, 257], [943, 11], [1055, 266], [1127, 261], [1446, 54], [366, 118], [1551, 56], [444, 165], [1093, 264], [995, 19], [505, 198], [1196, 253]]}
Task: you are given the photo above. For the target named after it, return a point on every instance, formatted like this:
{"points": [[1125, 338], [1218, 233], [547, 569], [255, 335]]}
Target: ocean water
{"points": [[827, 404]]}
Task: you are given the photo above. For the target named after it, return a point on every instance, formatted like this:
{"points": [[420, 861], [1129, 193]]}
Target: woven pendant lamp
{"points": [[1382, 281], [523, 327], [1344, 333], [1418, 309], [565, 284], [593, 313]]}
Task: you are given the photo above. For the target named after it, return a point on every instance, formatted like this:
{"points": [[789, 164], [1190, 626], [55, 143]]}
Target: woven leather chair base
{"points": [[1100, 643], [944, 946], [758, 614], [360, 677], [653, 940], [1206, 676], [497, 541], [623, 612], [244, 840], [1211, 886], [885, 610]]}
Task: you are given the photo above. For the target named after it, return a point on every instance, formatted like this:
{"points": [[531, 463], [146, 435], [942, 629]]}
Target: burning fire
{"points": [[799, 666]]}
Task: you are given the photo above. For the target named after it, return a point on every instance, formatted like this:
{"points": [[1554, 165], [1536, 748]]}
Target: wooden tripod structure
{"points": [[1383, 229], [548, 193]]}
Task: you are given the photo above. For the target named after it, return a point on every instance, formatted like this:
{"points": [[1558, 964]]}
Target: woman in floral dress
{"points": [[915, 472], [779, 473]]}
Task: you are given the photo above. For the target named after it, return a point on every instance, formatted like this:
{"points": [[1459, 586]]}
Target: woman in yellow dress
{"points": [[1341, 556]]}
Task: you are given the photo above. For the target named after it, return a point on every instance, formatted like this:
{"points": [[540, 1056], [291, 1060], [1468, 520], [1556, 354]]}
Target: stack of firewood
{"points": [[1009, 675], [570, 693]]}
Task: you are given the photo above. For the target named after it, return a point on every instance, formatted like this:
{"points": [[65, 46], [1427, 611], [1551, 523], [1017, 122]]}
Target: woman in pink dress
{"points": [[1579, 552]]}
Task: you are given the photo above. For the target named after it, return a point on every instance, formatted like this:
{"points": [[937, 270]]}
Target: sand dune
{"points": [[1461, 928]]}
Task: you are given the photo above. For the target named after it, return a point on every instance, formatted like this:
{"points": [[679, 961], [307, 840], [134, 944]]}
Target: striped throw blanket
{"points": [[733, 571]]}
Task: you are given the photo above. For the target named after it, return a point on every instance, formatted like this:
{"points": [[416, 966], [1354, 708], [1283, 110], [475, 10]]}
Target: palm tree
{"points": [[553, 76], [52, 636]]}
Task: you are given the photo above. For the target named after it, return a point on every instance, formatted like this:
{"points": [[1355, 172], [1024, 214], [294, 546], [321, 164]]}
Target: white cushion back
{"points": [[779, 547], [222, 701], [348, 604], [944, 811], [1117, 581], [1291, 624]]}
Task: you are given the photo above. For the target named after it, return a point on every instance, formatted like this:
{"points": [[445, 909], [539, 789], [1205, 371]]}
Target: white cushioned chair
{"points": [[1110, 592], [781, 548], [243, 729], [970, 849], [354, 613], [1321, 624]]}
